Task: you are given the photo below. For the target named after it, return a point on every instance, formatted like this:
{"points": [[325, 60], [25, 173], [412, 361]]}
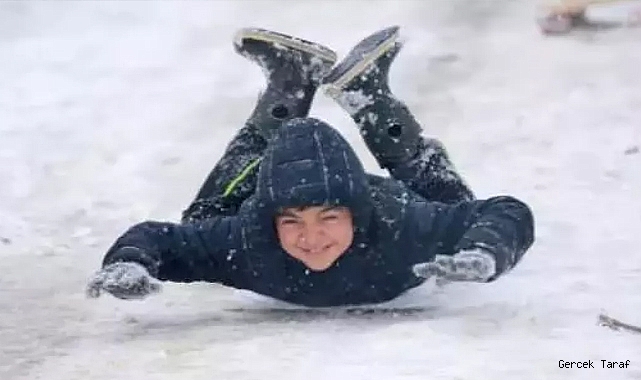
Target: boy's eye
{"points": [[288, 221], [330, 217]]}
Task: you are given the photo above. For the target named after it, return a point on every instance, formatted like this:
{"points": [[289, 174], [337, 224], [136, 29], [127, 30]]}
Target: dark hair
{"points": [[281, 210]]}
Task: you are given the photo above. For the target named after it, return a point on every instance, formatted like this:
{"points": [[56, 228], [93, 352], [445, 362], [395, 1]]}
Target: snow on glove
{"points": [[474, 265], [124, 280]]}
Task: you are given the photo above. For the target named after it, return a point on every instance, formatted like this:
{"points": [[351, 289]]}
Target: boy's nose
{"points": [[311, 236]]}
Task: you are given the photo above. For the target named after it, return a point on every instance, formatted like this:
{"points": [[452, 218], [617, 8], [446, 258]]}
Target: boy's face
{"points": [[317, 235]]}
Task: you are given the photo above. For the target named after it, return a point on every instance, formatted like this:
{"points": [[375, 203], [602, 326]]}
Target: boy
{"points": [[289, 212]]}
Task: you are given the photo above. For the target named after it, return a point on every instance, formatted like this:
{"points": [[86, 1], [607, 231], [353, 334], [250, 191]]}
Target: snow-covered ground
{"points": [[114, 112]]}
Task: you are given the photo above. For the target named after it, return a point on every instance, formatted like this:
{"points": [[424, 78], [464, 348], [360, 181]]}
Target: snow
{"points": [[354, 101], [113, 112]]}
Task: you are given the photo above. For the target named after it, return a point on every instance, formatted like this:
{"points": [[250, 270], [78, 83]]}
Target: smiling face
{"points": [[317, 236]]}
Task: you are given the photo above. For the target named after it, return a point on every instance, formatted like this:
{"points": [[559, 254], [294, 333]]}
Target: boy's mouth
{"points": [[316, 251]]}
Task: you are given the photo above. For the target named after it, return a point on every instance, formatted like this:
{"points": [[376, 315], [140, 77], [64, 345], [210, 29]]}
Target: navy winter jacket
{"points": [[309, 163]]}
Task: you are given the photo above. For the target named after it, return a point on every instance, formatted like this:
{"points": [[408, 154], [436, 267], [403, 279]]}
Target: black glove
{"points": [[475, 265], [124, 280]]}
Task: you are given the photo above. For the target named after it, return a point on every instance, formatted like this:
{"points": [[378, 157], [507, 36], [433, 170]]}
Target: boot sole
{"points": [[362, 55], [291, 42]]}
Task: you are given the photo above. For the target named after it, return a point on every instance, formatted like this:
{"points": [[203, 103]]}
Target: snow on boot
{"points": [[293, 68], [359, 84]]}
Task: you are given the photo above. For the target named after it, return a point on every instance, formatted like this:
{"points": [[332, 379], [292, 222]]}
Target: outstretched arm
{"points": [[500, 228], [206, 251]]}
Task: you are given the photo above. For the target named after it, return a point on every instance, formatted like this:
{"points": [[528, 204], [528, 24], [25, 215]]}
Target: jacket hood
{"points": [[310, 164]]}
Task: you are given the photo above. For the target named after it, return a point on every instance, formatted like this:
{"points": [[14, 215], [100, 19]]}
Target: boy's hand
{"points": [[124, 280], [474, 265]]}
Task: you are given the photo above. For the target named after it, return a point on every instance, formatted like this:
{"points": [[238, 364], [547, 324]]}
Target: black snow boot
{"points": [[359, 83], [293, 68]]}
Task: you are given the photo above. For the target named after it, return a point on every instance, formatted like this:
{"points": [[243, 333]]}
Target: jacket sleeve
{"points": [[503, 226], [210, 251]]}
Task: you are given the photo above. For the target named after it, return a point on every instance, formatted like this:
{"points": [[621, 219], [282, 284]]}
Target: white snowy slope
{"points": [[113, 112]]}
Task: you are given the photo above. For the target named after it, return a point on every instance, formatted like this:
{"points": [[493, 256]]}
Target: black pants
{"points": [[430, 174]]}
